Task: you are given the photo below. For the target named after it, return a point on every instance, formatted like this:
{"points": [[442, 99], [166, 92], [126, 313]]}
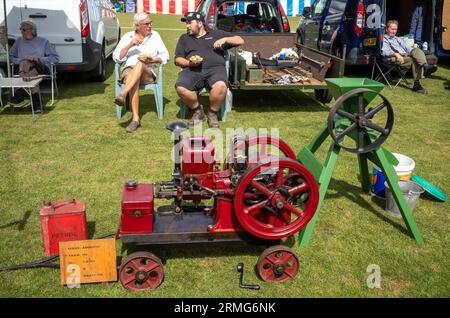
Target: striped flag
{"points": [[291, 7]]}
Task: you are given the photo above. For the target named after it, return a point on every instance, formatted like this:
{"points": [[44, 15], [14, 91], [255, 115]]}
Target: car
{"points": [[84, 32], [354, 29], [245, 16]]}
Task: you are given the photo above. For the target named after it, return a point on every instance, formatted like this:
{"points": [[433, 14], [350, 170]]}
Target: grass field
{"points": [[78, 149]]}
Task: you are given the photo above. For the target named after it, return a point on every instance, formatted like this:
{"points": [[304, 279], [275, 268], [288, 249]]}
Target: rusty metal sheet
{"points": [[314, 62], [267, 44]]}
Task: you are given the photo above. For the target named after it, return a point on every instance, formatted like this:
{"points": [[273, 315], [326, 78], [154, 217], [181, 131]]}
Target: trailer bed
{"points": [[318, 65]]}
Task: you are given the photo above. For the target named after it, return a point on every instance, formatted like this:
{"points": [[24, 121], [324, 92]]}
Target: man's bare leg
{"points": [[190, 98], [216, 98]]}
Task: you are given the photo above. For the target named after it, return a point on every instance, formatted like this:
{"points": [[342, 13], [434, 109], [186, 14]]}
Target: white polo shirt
{"points": [[152, 45]]}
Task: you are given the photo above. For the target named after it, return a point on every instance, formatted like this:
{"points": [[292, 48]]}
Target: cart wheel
{"points": [[323, 95], [276, 198], [256, 149], [141, 271], [358, 124], [277, 264]]}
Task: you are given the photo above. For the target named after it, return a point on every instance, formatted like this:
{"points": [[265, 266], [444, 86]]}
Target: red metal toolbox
{"points": [[64, 220], [137, 209]]}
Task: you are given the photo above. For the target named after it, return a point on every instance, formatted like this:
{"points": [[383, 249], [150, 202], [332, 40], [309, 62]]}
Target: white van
{"points": [[84, 32]]}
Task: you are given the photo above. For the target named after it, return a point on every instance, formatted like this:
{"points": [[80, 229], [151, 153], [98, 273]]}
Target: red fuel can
{"points": [[64, 220]]}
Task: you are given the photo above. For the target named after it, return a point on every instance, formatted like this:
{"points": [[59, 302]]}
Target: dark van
{"points": [[355, 28], [442, 28]]}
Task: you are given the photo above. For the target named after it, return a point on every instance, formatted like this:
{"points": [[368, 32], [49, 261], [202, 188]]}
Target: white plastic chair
{"points": [[156, 87]]}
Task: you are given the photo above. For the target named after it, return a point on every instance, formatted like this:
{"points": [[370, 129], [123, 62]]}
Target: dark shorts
{"points": [[196, 80]]}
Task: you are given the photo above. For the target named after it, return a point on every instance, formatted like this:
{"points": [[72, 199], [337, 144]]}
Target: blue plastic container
{"points": [[378, 180]]}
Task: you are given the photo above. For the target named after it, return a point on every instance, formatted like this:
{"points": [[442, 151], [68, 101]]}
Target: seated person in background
{"points": [[209, 72], [34, 55], [141, 50], [402, 54]]}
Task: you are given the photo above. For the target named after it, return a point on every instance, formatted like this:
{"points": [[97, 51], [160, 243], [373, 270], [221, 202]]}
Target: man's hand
{"points": [[31, 58], [195, 63], [146, 59], [399, 59], [134, 42], [219, 43]]}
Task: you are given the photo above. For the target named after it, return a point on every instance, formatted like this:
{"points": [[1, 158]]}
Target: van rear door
{"points": [[446, 24], [373, 26], [57, 21]]}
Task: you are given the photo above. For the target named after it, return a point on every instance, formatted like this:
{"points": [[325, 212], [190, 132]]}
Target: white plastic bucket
{"points": [[404, 170], [411, 191]]}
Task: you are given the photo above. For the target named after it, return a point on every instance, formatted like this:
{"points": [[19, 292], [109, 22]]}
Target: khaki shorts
{"points": [[125, 70]]}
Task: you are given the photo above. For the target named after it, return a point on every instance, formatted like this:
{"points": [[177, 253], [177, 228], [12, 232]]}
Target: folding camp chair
{"points": [[51, 77], [227, 103], [387, 69], [156, 87]]}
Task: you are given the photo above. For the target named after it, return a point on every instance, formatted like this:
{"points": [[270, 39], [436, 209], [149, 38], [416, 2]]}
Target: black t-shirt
{"points": [[188, 46]]}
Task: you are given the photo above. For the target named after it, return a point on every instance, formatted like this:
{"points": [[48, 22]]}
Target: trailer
{"points": [[308, 71]]}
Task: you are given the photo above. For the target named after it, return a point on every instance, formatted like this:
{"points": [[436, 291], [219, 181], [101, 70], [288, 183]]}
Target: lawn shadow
{"points": [[144, 107], [25, 109], [291, 101], [72, 85], [21, 223], [353, 193], [90, 229], [445, 81], [200, 250]]}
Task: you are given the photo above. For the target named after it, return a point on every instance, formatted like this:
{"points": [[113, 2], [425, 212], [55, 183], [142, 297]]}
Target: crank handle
{"points": [[254, 287], [240, 269]]}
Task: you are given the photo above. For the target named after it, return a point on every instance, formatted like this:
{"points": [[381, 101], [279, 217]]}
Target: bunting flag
{"points": [[291, 7]]}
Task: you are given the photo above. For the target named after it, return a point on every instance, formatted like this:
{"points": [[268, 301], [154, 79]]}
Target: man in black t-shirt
{"points": [[207, 72]]}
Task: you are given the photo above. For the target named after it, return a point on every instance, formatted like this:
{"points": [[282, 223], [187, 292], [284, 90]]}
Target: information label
{"points": [[90, 261]]}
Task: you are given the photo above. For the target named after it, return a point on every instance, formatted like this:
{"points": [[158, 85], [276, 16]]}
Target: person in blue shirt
{"points": [[415, 29], [398, 51], [34, 55]]}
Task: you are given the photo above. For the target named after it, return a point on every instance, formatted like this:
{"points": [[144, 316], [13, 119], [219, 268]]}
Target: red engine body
{"points": [[64, 220], [198, 159], [137, 209]]}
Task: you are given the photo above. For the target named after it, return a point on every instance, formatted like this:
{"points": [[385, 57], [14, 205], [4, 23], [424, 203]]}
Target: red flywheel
{"points": [[141, 271], [258, 148], [276, 198]]}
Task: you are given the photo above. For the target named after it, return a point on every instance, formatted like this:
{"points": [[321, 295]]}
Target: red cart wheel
{"points": [[276, 198], [256, 149], [277, 264], [141, 271]]}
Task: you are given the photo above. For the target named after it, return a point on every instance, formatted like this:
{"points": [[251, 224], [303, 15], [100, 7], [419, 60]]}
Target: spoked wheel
{"points": [[276, 198], [368, 132], [277, 264], [248, 152], [141, 271]]}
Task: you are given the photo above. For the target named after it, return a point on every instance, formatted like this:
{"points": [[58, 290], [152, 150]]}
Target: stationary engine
{"points": [[270, 196]]}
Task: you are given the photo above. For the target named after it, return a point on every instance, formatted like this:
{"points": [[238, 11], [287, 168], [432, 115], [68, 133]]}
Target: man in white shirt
{"points": [[140, 50]]}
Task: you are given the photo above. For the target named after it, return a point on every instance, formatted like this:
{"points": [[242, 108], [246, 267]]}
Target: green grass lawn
{"points": [[78, 149]]}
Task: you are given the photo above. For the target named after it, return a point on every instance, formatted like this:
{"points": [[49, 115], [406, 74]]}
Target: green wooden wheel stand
{"points": [[349, 118]]}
